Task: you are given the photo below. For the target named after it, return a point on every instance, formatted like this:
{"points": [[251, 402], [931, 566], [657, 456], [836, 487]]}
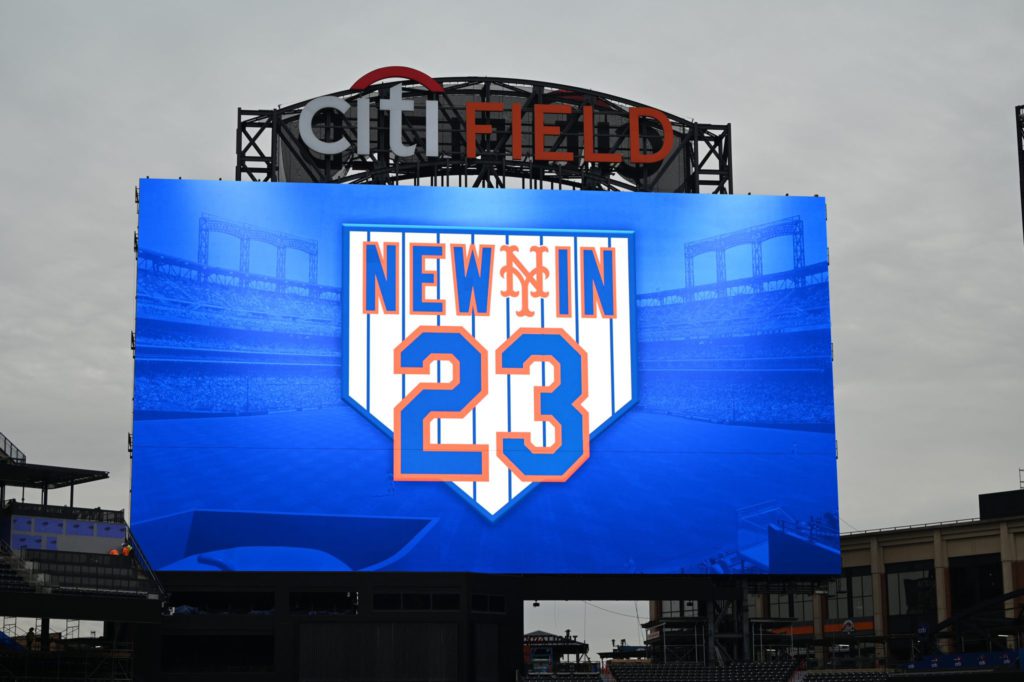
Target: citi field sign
{"points": [[544, 128]]}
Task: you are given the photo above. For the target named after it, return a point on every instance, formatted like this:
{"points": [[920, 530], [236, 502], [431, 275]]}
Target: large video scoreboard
{"points": [[356, 377]]}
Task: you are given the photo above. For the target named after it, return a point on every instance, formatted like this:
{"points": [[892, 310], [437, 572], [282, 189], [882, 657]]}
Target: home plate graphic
{"points": [[491, 357]]}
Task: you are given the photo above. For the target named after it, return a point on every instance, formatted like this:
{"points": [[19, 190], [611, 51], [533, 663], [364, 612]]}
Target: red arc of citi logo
{"points": [[394, 104]]}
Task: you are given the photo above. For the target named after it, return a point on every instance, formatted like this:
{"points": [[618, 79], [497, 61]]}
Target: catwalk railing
{"points": [[914, 526], [56, 511], [10, 451]]}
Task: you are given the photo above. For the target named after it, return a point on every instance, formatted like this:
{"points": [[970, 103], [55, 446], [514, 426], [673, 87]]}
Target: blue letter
{"points": [[380, 280], [472, 279], [598, 277], [422, 277]]}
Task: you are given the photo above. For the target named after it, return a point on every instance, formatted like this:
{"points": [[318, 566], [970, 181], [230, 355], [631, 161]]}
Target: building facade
{"points": [[904, 593]]}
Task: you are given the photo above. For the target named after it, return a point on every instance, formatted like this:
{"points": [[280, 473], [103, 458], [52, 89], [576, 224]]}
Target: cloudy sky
{"points": [[901, 114]]}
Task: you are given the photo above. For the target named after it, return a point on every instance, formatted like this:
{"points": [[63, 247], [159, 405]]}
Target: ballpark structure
{"points": [[379, 404]]}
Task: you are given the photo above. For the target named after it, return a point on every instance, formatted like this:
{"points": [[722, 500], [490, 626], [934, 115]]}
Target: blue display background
{"points": [[246, 456]]}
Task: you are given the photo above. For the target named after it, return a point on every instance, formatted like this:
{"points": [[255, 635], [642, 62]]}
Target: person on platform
{"points": [[30, 639]]}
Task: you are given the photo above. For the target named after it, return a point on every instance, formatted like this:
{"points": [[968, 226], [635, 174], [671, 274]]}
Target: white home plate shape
{"points": [[498, 354]]}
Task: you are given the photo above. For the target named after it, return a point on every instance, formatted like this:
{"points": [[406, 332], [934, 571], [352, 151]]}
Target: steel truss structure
{"points": [[1019, 119], [268, 146]]}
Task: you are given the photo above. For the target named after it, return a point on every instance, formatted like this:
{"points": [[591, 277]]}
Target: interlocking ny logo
{"points": [[530, 281], [491, 357]]}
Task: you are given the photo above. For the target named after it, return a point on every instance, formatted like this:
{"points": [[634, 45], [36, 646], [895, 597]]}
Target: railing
{"points": [[141, 560], [10, 450], [913, 526], [55, 511]]}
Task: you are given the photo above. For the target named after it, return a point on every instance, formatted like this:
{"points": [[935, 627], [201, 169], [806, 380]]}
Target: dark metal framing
{"points": [[268, 147], [1019, 120]]}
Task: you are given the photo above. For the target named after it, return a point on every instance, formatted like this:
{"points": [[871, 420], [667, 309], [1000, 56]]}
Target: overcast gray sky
{"points": [[901, 114]]}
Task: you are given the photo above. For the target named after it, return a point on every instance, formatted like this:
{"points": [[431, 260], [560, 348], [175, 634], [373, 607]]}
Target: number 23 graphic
{"points": [[559, 403]]}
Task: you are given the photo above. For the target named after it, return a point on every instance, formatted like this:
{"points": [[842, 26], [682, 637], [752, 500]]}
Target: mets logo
{"points": [[491, 357]]}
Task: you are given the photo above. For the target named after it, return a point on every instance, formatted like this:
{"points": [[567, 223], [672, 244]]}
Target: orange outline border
{"points": [[378, 295], [538, 416], [482, 448], [597, 299], [570, 280], [474, 255], [437, 280]]}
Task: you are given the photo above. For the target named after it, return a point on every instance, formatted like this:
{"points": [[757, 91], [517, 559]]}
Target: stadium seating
{"points": [[782, 310], [10, 579], [177, 390], [207, 347], [163, 296], [768, 399], [759, 359], [846, 676], [690, 672], [92, 573]]}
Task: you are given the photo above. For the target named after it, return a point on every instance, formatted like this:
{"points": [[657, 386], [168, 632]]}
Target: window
{"points": [[778, 606], [838, 598], [851, 595], [803, 607], [911, 588], [487, 603], [670, 609], [862, 596], [691, 608]]}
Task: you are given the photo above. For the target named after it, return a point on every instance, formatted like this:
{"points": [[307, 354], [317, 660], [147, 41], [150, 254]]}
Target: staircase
{"points": [[15, 576]]}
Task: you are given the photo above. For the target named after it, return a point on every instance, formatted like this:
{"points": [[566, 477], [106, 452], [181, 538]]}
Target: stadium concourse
{"points": [[945, 596], [61, 565]]}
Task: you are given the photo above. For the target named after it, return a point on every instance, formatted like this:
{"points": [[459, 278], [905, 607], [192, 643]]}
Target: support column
{"points": [[243, 257], [721, 276], [44, 635], [313, 258], [818, 614], [744, 619], [943, 607], [878, 598], [710, 649], [689, 272], [1006, 556], [757, 264], [203, 256]]}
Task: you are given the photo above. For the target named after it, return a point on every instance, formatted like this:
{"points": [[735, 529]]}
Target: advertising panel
{"points": [[396, 378]]}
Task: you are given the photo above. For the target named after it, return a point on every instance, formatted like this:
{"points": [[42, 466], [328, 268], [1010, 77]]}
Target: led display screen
{"points": [[395, 378]]}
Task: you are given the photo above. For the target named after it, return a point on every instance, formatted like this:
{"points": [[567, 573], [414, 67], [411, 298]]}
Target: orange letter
{"points": [[517, 131], [588, 141], [473, 128], [540, 131], [637, 156]]}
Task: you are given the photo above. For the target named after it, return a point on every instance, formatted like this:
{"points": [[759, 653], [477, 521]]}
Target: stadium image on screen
{"points": [[427, 379]]}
